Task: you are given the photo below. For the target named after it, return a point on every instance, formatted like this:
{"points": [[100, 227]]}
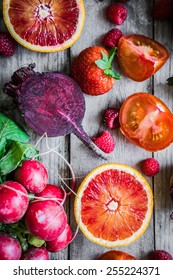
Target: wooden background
{"points": [[160, 231]]}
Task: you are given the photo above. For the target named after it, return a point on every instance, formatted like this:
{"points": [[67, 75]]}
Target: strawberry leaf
{"points": [[112, 54], [113, 74], [101, 64]]}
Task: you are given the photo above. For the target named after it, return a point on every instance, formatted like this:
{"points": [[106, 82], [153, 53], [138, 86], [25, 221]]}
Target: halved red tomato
{"points": [[146, 121], [140, 57]]}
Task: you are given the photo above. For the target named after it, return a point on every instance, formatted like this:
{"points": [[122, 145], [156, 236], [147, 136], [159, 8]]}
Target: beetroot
{"points": [[61, 242], [45, 219], [13, 202], [32, 175], [51, 103], [10, 248], [52, 191], [34, 253]]}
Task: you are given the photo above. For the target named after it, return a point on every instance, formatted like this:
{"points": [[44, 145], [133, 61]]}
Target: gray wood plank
{"points": [[125, 152]]}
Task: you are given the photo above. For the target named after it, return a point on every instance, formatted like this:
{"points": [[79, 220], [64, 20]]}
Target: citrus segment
{"points": [[113, 205], [44, 25]]}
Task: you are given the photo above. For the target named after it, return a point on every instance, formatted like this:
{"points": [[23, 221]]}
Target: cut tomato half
{"points": [[140, 57], [146, 121]]}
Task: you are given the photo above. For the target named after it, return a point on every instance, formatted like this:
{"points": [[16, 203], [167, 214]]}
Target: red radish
{"points": [[14, 202], [61, 242], [52, 191], [10, 248], [32, 175], [45, 219], [34, 253]]}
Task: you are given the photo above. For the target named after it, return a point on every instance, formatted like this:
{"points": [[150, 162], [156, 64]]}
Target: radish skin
{"points": [[14, 202], [45, 219], [32, 175], [34, 253], [10, 248]]}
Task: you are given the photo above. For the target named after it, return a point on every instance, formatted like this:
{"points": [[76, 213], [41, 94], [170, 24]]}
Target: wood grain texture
{"points": [[160, 231]]}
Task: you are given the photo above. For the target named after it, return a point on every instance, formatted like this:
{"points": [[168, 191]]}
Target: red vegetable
{"points": [[45, 219], [61, 242], [13, 202], [34, 253], [32, 175], [10, 248], [51, 191], [50, 102]]}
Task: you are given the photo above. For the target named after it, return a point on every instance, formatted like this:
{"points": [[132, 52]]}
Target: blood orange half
{"points": [[44, 25], [113, 205]]}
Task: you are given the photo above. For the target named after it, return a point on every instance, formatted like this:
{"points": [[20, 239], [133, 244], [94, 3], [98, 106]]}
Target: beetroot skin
{"points": [[32, 175], [45, 219], [34, 253], [51, 103], [10, 248], [13, 202]]}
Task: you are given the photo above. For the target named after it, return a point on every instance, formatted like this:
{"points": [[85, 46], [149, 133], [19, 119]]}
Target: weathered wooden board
{"points": [[160, 230]]}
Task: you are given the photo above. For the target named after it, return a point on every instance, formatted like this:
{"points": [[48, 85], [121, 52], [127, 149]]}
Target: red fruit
{"points": [[111, 38], [160, 255], [105, 142], [34, 253], [162, 9], [7, 44], [150, 167], [116, 13], [111, 118], [10, 248], [32, 175], [91, 69], [13, 202]]}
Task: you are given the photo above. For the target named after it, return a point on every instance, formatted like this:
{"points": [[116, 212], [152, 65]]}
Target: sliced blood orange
{"points": [[44, 25], [113, 205]]}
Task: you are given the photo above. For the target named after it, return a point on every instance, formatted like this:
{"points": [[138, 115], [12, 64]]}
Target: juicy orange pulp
{"points": [[44, 25], [115, 205]]}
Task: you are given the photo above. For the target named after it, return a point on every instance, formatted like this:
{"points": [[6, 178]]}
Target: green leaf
{"points": [[3, 143], [32, 240], [113, 74], [104, 56], [101, 64], [112, 54], [170, 81], [11, 131], [15, 155]]}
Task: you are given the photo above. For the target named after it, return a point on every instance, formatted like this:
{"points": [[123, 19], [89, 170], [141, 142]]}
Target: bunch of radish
{"points": [[40, 206]]}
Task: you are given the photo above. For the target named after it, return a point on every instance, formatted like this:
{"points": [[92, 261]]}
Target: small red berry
{"points": [[111, 118], [116, 13], [160, 255], [150, 167], [111, 38], [104, 141], [7, 44]]}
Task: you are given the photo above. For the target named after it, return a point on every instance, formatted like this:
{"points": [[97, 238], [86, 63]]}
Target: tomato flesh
{"points": [[141, 57], [146, 121]]}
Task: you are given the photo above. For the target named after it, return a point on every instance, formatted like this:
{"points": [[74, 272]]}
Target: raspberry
{"points": [[7, 44], [104, 141], [162, 9], [116, 13], [159, 255], [150, 167], [111, 38], [111, 118]]}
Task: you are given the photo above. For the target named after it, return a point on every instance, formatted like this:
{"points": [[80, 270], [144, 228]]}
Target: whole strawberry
{"points": [[160, 255], [116, 13], [104, 141], [111, 38], [150, 167], [162, 9], [91, 69], [7, 44]]}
